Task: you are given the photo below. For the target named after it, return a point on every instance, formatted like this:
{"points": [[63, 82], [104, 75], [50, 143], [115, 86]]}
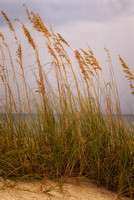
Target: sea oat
{"points": [[8, 21], [28, 35], [19, 52], [63, 40], [95, 63], [1, 76], [1, 35], [81, 62], [91, 60], [39, 25], [50, 50], [28, 14], [129, 75]]}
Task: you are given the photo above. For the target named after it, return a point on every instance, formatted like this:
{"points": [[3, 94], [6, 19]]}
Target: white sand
{"points": [[72, 189]]}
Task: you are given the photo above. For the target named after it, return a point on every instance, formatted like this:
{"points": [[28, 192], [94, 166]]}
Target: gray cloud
{"points": [[61, 11], [115, 8], [12, 9]]}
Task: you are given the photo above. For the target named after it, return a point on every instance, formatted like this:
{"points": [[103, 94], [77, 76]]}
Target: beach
{"points": [[71, 189]]}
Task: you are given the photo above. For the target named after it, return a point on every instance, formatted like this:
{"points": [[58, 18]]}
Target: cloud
{"points": [[12, 8], [59, 12], [110, 9]]}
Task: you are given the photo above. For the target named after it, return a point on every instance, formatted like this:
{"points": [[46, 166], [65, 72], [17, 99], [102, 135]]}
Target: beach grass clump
{"points": [[65, 124]]}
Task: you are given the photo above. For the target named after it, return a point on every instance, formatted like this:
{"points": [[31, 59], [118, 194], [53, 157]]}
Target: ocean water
{"points": [[127, 118]]}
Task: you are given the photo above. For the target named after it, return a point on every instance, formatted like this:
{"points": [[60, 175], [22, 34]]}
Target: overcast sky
{"points": [[99, 23], [62, 11]]}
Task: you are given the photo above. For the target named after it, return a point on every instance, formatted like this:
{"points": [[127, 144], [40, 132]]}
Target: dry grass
{"points": [[56, 130]]}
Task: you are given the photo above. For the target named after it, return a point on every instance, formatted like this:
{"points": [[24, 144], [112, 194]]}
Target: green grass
{"points": [[70, 129]]}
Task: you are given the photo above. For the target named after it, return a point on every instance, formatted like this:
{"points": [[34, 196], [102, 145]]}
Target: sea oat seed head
{"points": [[19, 52], [39, 25], [1, 35], [28, 14], [63, 40], [8, 21], [28, 35], [129, 75]]}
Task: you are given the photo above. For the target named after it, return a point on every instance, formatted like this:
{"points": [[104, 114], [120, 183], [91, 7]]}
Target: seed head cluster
{"points": [[8, 21], [129, 75]]}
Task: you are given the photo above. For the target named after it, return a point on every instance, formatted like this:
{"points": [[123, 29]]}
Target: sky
{"points": [[98, 23]]}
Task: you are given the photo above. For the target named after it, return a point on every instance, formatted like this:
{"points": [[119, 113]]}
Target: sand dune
{"points": [[72, 189]]}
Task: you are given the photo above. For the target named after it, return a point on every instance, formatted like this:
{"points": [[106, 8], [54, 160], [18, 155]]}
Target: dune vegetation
{"points": [[65, 125]]}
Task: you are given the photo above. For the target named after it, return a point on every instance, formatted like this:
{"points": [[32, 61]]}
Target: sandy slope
{"points": [[72, 189]]}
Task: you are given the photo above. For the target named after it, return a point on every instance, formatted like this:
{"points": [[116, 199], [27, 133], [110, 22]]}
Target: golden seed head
{"points": [[59, 50], [63, 40], [39, 25], [131, 85], [28, 35], [129, 74], [28, 14], [91, 60], [19, 52], [81, 62], [1, 35], [8, 21], [51, 52], [1, 76], [126, 69]]}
